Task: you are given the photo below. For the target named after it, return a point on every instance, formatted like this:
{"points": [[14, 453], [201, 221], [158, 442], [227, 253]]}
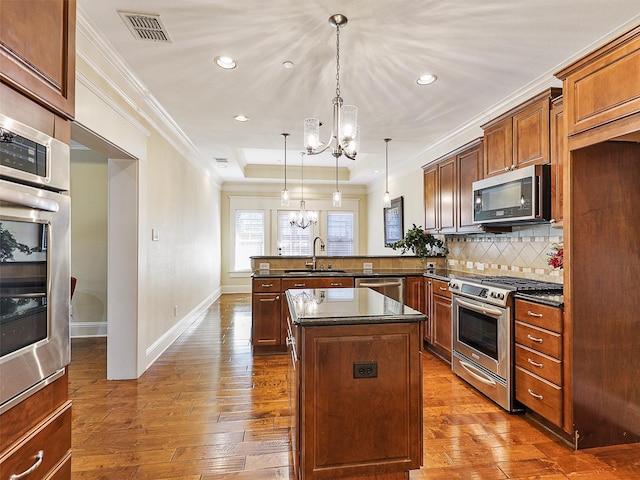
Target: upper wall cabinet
{"points": [[558, 161], [37, 51], [448, 196], [520, 137], [603, 92]]}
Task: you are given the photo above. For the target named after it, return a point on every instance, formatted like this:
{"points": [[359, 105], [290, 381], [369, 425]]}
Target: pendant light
{"points": [[337, 195], [284, 195], [345, 132], [302, 218], [386, 200]]}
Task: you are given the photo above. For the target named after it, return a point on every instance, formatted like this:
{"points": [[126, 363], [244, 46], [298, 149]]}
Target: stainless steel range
{"points": [[483, 324]]}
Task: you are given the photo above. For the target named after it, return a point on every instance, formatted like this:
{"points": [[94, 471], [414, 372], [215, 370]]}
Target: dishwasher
{"points": [[392, 287]]}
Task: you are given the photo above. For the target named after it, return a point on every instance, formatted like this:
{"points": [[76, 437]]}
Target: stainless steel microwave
{"points": [[518, 196]]}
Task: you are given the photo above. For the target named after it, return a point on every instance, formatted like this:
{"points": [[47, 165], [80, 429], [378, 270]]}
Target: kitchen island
{"points": [[355, 384]]}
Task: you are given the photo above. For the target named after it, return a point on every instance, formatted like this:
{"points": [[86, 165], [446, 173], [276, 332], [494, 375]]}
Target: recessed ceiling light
{"points": [[427, 79], [227, 63], [288, 64], [376, 171], [241, 118]]}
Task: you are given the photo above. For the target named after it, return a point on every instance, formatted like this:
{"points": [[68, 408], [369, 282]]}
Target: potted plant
{"points": [[421, 243]]}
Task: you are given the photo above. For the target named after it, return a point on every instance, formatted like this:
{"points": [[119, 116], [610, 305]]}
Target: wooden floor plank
{"points": [[209, 410]]}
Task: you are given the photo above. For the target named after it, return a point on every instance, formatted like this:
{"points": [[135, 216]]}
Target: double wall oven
{"points": [[483, 332], [34, 260]]}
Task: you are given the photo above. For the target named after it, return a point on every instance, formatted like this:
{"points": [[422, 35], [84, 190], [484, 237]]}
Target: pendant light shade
{"points": [[386, 199], [337, 195], [284, 195]]}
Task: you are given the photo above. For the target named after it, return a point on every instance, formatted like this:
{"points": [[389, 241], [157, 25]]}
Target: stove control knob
{"points": [[500, 295], [453, 286]]}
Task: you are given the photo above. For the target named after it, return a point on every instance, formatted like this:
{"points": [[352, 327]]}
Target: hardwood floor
{"points": [[208, 410]]}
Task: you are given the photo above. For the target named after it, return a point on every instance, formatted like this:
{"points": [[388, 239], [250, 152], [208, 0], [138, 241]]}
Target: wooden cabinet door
{"points": [[428, 296], [266, 327], [447, 196], [431, 199], [470, 169], [414, 293], [531, 135], [38, 51], [603, 90], [498, 148], [558, 161], [441, 326]]}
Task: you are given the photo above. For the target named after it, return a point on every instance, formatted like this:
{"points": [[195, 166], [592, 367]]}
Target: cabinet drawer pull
{"points": [[535, 364], [267, 285], [534, 395], [32, 468], [534, 339], [277, 297], [537, 315], [339, 284], [444, 289], [299, 284]]}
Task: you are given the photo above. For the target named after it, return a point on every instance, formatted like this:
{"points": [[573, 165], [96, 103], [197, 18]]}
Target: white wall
{"points": [[89, 242], [171, 281]]}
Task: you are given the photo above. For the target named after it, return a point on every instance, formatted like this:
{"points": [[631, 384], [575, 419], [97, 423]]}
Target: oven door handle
{"points": [[492, 312], [27, 200], [477, 374]]}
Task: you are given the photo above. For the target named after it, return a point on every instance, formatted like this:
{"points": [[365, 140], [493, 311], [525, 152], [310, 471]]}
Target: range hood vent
{"points": [[145, 26]]}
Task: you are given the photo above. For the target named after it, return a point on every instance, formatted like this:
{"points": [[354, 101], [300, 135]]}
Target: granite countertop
{"points": [[377, 272], [347, 306], [553, 299]]}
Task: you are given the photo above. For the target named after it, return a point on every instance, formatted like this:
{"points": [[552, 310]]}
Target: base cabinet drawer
{"points": [[541, 365], [544, 398], [41, 450], [544, 341]]}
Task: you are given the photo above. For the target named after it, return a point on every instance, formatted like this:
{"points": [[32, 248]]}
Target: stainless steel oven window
{"points": [[23, 284], [478, 331]]}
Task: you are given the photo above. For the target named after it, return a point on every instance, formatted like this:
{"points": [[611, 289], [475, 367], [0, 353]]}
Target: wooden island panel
{"points": [[360, 426]]}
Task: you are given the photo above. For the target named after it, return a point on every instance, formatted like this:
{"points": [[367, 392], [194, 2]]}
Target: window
{"points": [[339, 233], [249, 237], [293, 240]]}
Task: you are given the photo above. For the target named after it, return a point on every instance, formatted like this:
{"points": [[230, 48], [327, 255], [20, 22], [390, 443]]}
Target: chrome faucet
{"points": [[314, 259]]}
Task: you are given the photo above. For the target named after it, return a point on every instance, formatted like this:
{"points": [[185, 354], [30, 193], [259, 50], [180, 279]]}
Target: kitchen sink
{"points": [[313, 272]]}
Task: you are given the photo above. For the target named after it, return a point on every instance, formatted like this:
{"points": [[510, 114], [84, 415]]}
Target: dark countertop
{"points": [[377, 272], [545, 298], [347, 306]]}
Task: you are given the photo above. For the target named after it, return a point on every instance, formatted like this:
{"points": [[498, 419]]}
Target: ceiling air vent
{"points": [[221, 162], [145, 26]]}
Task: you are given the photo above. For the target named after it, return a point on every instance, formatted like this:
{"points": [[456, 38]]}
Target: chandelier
{"points": [[302, 218], [345, 135]]}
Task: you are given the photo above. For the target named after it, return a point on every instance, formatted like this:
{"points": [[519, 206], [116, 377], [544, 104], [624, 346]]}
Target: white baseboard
{"points": [[165, 341], [87, 329]]}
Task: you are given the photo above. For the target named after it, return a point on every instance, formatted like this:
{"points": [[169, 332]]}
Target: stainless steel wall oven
{"points": [[34, 260]]}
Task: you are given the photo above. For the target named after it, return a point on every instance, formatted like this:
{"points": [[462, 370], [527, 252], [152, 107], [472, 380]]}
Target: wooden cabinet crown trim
{"points": [[550, 93]]}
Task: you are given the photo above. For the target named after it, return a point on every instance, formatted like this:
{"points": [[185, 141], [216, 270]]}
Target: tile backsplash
{"points": [[524, 252]]}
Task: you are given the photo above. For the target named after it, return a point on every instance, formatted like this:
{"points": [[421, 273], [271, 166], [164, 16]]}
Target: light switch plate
{"points": [[367, 266], [155, 236], [264, 266]]}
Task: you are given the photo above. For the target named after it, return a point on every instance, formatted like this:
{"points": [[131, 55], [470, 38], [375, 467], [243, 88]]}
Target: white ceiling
{"points": [[483, 51]]}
